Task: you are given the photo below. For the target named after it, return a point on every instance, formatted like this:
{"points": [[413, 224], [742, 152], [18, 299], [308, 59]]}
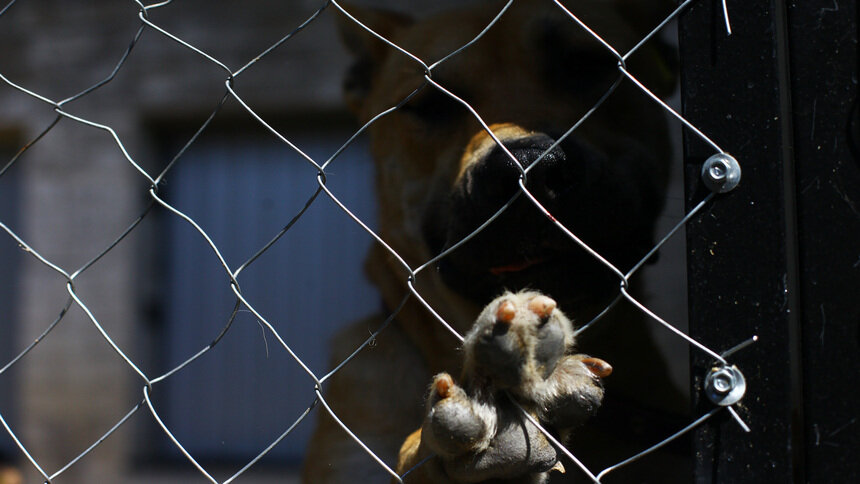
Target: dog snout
{"points": [[492, 176]]}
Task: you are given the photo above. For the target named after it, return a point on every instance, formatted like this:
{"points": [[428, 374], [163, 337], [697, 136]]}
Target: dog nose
{"points": [[550, 173], [495, 178]]}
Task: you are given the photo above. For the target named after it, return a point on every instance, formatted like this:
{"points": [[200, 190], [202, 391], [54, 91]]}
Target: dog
{"points": [[440, 175]]}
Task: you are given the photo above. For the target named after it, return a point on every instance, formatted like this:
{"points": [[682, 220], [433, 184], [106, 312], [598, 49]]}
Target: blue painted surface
{"points": [[10, 259], [241, 395]]}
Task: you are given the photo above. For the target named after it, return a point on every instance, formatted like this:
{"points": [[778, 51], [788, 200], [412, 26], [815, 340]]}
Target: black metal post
{"points": [[742, 267], [824, 79], [779, 256]]}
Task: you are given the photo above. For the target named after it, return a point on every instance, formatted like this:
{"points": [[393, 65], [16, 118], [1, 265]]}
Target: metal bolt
{"points": [[723, 381], [721, 173], [725, 385]]}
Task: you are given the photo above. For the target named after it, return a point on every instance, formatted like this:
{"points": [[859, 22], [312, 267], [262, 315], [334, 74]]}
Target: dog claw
{"points": [[443, 384], [542, 306], [506, 312], [600, 368]]}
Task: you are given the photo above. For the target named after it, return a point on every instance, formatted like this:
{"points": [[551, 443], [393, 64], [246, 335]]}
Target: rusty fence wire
{"points": [[720, 171]]}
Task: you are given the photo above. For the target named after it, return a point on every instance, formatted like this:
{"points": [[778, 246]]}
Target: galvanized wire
{"points": [[64, 113]]}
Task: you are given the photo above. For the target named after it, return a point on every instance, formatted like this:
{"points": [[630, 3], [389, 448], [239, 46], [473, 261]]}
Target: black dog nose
{"points": [[495, 178]]}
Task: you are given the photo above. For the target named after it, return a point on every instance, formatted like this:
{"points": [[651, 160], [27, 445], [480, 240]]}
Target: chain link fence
{"points": [[724, 385]]}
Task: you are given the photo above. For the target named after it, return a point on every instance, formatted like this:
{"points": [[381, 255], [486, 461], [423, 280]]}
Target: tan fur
{"points": [[379, 394], [409, 455], [10, 475], [482, 143]]}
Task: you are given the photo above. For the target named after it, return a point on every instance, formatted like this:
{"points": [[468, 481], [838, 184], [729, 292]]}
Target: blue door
{"points": [[238, 397]]}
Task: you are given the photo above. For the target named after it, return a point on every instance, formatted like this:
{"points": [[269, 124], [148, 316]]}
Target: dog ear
{"points": [[368, 50]]}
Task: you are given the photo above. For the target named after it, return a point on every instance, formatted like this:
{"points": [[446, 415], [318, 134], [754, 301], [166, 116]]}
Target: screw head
{"points": [[725, 385], [723, 381], [721, 173]]}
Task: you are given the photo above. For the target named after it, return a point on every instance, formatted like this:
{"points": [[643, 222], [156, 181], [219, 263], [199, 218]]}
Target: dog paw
{"points": [[517, 453], [572, 393], [516, 342], [476, 439], [518, 356], [455, 424]]}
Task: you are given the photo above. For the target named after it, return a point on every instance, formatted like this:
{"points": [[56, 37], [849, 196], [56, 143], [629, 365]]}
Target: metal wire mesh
{"points": [[64, 111]]}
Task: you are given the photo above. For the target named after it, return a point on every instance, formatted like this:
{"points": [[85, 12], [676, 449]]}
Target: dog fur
{"points": [[439, 175], [519, 356]]}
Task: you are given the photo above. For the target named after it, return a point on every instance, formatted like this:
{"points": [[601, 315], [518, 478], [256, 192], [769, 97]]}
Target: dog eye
{"points": [[433, 106]]}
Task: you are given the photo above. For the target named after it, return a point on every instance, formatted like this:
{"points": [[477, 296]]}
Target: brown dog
{"points": [[440, 175]]}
